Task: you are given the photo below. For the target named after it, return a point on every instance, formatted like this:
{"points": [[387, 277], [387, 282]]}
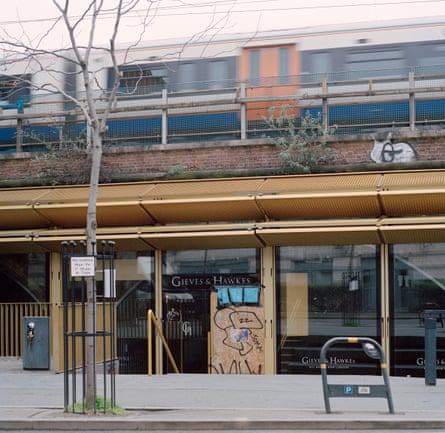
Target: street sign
{"points": [[84, 266], [347, 390]]}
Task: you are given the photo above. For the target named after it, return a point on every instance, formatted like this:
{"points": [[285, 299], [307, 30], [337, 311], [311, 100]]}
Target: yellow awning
{"points": [[391, 207]]}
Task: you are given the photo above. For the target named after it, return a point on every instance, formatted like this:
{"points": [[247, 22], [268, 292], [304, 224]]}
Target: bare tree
{"points": [[48, 72], [48, 75], [97, 127]]}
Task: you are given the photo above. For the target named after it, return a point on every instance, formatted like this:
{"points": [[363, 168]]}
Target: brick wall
{"points": [[229, 158]]}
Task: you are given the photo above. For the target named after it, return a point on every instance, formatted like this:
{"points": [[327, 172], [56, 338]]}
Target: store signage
{"points": [[196, 281]]}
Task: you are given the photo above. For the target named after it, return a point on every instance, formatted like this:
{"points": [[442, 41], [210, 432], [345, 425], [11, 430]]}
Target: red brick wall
{"points": [[199, 159]]}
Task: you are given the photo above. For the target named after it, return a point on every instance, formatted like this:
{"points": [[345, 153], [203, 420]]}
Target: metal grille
{"points": [[79, 270]]}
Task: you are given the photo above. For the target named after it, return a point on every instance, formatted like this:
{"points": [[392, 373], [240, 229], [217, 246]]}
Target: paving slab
{"points": [[33, 400]]}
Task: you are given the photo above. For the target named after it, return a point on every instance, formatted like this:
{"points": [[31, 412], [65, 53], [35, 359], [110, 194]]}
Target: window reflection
{"points": [[325, 291], [418, 284]]}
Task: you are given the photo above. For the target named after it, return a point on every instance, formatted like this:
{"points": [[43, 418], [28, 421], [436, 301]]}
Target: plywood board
{"points": [[237, 338]]}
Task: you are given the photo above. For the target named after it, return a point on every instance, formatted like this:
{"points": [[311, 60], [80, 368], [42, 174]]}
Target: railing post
{"points": [[412, 102], [164, 125], [324, 105], [243, 112], [19, 135]]}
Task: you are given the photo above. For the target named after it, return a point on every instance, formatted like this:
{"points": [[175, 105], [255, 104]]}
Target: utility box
{"points": [[35, 337]]}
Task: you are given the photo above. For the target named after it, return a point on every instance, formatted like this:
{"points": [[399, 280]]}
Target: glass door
{"points": [[186, 326], [189, 279]]}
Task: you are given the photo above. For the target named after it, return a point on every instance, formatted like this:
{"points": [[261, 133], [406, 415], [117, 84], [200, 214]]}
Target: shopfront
{"points": [[251, 275], [333, 291], [318, 292]]}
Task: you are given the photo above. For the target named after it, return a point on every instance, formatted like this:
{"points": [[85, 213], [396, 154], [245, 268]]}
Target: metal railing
{"points": [[153, 321], [351, 103], [11, 323]]}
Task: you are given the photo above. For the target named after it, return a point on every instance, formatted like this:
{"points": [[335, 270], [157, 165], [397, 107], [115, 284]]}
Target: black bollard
{"points": [[430, 351]]}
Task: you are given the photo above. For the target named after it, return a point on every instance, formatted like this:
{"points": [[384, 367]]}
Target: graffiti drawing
{"points": [[387, 151], [237, 333], [239, 326], [236, 367]]}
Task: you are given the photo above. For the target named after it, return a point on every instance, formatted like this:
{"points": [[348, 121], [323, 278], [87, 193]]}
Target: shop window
{"points": [[24, 278], [325, 292], [418, 284]]}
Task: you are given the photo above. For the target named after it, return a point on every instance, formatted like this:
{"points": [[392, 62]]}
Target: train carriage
{"points": [[199, 85]]}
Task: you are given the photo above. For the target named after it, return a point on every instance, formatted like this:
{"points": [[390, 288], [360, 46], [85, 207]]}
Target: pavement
{"points": [[34, 399]]}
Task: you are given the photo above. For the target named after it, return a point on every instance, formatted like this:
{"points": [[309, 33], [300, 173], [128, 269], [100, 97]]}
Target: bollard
{"points": [[430, 351]]}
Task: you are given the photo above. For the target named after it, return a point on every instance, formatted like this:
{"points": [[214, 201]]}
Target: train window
{"points": [[254, 65], [218, 73], [365, 60], [142, 79], [430, 54], [284, 65], [13, 88], [187, 74], [320, 62]]}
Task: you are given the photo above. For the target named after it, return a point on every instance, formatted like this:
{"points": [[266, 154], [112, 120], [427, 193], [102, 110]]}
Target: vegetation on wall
{"points": [[302, 142], [65, 164]]}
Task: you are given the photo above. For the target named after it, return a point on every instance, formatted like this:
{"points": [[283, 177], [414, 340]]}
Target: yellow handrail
{"points": [[152, 320]]}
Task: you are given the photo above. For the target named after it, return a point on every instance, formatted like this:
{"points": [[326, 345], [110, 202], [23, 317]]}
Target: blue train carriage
{"points": [[292, 62], [205, 74], [31, 88], [296, 63]]}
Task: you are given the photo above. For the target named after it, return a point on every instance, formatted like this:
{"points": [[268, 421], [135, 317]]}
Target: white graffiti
{"points": [[387, 151]]}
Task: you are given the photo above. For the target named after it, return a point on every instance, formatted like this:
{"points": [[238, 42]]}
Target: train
{"points": [[200, 82]]}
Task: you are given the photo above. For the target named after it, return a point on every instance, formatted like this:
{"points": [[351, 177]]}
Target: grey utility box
{"points": [[35, 336]]}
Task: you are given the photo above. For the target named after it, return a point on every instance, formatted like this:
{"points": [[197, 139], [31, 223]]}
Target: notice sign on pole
{"points": [[83, 266]]}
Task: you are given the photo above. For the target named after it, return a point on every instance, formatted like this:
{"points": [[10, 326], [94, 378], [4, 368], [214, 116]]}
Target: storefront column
{"points": [[384, 303], [268, 282], [158, 310], [56, 305]]}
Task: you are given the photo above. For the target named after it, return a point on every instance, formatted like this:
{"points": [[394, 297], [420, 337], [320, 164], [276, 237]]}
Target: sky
{"points": [[29, 19]]}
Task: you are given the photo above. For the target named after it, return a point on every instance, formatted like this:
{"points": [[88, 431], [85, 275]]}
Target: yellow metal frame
{"points": [[153, 321]]}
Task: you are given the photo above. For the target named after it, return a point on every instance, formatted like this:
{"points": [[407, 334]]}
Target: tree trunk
{"points": [[91, 226]]}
